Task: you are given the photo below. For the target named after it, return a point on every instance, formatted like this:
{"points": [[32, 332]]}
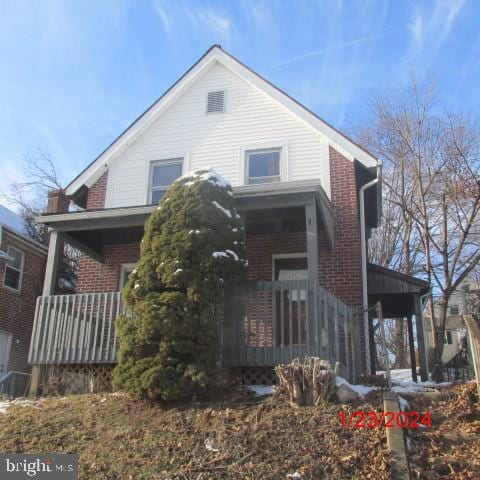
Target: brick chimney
{"points": [[57, 201]]}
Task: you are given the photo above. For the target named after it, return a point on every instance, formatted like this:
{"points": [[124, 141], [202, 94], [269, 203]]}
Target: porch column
{"points": [[312, 266], [422, 354], [411, 344], [312, 242], [55, 248]]}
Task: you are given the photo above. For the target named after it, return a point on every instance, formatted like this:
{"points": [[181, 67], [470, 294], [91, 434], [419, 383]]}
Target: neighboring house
{"points": [[22, 268], [298, 184], [455, 329]]}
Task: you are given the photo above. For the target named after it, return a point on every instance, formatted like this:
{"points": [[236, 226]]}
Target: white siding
{"points": [[218, 140]]}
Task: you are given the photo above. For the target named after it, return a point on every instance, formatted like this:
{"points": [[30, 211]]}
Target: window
{"points": [[454, 310], [263, 166], [216, 102], [14, 269], [162, 175], [125, 270], [448, 337]]}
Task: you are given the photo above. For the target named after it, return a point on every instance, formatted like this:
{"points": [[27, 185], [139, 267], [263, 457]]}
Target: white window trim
{"points": [[20, 279], [224, 101], [271, 145], [173, 159], [123, 267]]}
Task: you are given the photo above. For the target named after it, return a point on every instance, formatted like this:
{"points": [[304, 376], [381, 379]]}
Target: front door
{"points": [[4, 352]]}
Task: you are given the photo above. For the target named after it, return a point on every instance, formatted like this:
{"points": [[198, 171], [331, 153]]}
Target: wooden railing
{"points": [[283, 320], [474, 346], [274, 322], [75, 328]]}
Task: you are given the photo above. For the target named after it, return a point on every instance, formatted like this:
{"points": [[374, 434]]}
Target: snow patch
{"points": [[260, 390], [361, 390], [223, 209], [294, 476], [178, 270], [226, 254], [233, 254], [194, 231], [220, 254], [402, 382], [206, 174], [210, 447]]}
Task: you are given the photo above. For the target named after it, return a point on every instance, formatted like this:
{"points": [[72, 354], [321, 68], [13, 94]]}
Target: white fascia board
{"points": [[345, 146], [96, 170]]}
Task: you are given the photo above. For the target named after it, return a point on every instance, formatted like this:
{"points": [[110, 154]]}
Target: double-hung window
{"points": [[263, 166], [14, 269], [162, 175]]}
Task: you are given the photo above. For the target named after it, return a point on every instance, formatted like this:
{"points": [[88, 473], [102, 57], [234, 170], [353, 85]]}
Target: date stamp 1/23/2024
{"points": [[360, 419]]}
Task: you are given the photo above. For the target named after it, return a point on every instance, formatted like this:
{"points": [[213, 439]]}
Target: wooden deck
{"points": [[277, 321]]}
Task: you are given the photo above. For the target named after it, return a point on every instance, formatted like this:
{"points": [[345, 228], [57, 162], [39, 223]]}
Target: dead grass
{"points": [[450, 449], [120, 438]]}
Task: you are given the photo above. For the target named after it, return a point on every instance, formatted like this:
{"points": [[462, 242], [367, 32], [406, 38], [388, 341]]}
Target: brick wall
{"points": [[340, 269], [17, 309], [57, 201], [104, 277], [96, 193]]}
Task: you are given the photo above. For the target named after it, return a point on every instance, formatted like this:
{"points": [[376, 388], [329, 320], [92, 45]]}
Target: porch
{"points": [[286, 311], [278, 323]]}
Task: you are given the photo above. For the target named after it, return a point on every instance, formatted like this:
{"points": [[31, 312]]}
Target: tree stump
{"points": [[309, 383]]}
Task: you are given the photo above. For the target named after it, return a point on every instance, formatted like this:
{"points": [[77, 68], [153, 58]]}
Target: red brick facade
{"points": [[57, 201], [98, 277], [96, 193], [17, 308]]}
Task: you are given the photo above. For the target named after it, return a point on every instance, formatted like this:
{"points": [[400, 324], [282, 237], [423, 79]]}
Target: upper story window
{"points": [[263, 166], [162, 175], [14, 269], [216, 101]]}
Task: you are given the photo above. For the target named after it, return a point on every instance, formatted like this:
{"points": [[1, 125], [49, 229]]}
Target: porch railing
{"points": [[283, 320], [75, 328], [278, 321]]}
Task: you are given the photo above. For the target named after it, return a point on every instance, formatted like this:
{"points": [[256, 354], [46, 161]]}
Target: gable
{"points": [[215, 56], [251, 120]]}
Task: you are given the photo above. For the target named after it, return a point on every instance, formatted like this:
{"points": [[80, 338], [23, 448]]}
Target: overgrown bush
{"points": [[193, 246]]}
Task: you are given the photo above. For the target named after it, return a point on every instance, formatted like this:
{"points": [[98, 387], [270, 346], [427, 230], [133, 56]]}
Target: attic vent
{"points": [[216, 101]]}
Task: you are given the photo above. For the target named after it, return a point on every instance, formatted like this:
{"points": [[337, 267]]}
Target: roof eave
{"points": [[338, 140]]}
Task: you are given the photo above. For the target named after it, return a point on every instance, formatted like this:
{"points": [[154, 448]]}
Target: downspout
{"points": [[423, 303], [363, 249]]}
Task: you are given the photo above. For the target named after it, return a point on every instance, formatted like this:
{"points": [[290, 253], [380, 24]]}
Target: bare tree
{"points": [[39, 175], [432, 158]]}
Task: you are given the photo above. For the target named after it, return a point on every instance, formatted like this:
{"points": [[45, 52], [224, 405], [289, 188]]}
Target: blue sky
{"points": [[74, 74]]}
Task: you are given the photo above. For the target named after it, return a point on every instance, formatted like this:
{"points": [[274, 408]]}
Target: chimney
{"points": [[57, 201]]}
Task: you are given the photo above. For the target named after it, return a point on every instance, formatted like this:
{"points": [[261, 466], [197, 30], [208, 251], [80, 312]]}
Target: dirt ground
{"points": [[450, 449], [237, 436]]}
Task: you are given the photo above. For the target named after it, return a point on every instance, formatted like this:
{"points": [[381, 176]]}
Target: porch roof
{"points": [[84, 229], [395, 290]]}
